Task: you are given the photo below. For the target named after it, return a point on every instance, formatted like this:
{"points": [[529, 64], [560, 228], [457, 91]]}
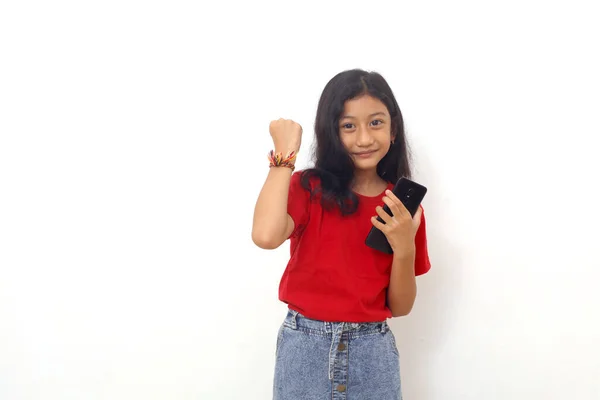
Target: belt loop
{"points": [[294, 320], [384, 327]]}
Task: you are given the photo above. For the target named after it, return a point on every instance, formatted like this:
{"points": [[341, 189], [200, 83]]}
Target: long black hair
{"points": [[332, 163]]}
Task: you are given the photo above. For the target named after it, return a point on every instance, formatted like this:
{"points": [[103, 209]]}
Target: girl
{"points": [[334, 342]]}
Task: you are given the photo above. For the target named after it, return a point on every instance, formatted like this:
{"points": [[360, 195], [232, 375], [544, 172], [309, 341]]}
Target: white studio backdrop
{"points": [[133, 142]]}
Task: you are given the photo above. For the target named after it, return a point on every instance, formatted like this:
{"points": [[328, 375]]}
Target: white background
{"points": [[133, 146]]}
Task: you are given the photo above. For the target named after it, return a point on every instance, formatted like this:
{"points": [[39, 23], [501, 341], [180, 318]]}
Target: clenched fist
{"points": [[286, 134]]}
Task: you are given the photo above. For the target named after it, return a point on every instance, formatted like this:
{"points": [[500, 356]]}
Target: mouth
{"points": [[365, 154]]}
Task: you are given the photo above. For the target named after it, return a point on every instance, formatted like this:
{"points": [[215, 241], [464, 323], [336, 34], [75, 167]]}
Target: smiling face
{"points": [[365, 131]]}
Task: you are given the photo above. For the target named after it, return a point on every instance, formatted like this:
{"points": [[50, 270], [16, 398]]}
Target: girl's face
{"points": [[365, 131]]}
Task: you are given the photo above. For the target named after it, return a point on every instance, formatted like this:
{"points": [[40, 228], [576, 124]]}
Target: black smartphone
{"points": [[411, 194]]}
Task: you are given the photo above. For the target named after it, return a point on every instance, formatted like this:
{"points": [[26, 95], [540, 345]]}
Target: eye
{"points": [[347, 126], [379, 122]]}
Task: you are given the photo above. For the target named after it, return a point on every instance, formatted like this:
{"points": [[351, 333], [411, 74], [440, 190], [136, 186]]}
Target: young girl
{"points": [[335, 342]]}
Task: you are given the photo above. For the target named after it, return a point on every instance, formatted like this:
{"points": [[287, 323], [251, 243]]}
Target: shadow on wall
{"points": [[421, 336]]}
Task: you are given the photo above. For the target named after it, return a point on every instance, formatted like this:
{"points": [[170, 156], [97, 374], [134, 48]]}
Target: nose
{"points": [[364, 137]]}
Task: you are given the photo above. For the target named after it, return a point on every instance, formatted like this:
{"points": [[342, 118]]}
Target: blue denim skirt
{"points": [[318, 360]]}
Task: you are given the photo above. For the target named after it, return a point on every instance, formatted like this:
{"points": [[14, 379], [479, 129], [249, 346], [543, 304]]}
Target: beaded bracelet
{"points": [[277, 160]]}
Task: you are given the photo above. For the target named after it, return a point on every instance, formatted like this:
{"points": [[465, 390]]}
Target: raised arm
{"points": [[272, 224]]}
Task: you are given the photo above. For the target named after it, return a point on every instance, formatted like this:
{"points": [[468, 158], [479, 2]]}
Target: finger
{"points": [[378, 225], [418, 214], [417, 218], [392, 206], [397, 201], [383, 215], [400, 209], [392, 196]]}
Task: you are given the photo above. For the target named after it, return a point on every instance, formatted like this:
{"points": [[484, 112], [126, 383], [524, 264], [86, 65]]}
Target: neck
{"points": [[367, 180]]}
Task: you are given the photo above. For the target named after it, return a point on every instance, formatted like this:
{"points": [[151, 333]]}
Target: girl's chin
{"points": [[366, 165]]}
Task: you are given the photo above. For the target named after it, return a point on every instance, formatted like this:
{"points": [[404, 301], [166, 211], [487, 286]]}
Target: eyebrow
{"points": [[372, 115]]}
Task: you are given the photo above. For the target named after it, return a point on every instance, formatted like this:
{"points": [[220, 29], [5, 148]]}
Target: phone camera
{"points": [[409, 193]]}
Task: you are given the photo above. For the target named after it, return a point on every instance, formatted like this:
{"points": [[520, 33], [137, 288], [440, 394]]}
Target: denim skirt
{"points": [[318, 360]]}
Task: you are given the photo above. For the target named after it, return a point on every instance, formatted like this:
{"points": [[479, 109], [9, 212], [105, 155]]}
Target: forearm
{"points": [[270, 213], [402, 290]]}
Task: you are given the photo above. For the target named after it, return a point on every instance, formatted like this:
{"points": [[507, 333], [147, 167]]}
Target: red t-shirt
{"points": [[332, 275]]}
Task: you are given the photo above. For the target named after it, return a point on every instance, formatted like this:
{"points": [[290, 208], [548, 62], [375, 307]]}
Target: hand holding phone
{"points": [[411, 194]]}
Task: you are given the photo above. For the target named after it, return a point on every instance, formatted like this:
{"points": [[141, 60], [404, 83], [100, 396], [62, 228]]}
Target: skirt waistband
{"points": [[296, 321]]}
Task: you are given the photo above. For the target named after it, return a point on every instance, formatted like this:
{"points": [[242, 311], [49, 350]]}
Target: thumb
{"points": [[417, 217]]}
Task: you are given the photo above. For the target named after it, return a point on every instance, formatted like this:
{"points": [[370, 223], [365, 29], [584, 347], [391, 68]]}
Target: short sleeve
{"points": [[298, 204], [422, 263]]}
